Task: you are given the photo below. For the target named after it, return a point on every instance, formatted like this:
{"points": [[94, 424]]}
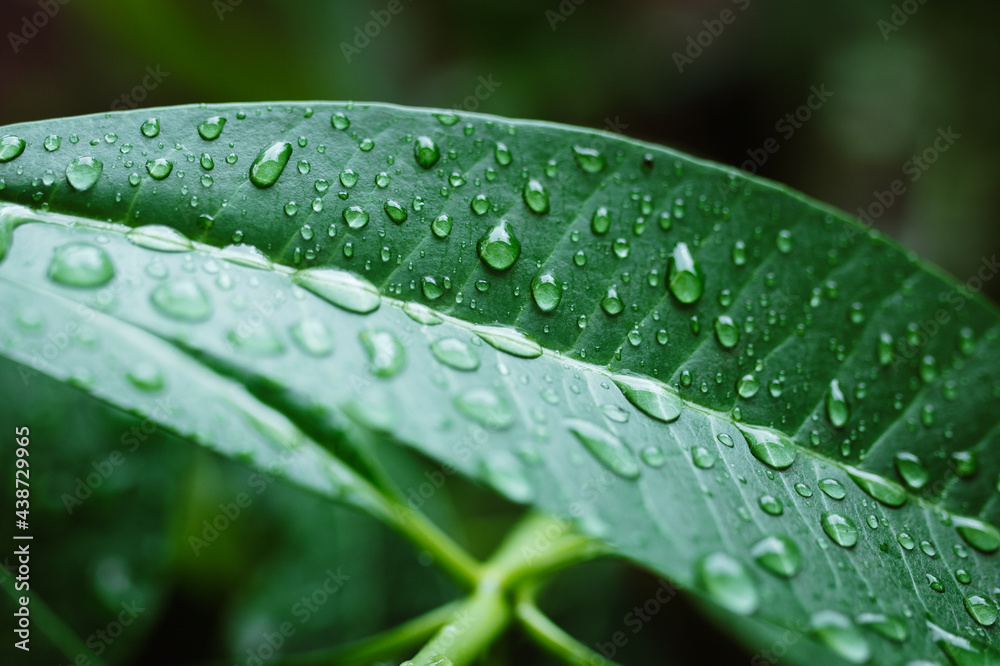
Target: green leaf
{"points": [[739, 388]]}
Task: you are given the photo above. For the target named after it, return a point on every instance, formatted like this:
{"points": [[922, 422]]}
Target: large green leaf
{"points": [[737, 387]]}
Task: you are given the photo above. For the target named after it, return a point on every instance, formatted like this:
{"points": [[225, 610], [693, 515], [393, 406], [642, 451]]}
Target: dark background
{"points": [[894, 86]]}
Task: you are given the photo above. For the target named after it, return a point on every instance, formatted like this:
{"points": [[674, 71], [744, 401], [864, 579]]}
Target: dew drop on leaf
{"points": [[159, 168], [184, 300], [441, 226], [340, 121], [607, 449], [455, 353], [546, 292], [891, 627], [386, 355], [145, 376], [600, 222], [878, 487], [395, 211], [836, 405], [499, 248], [211, 128], [502, 154], [589, 159], [150, 127], [269, 164], [911, 469], [841, 529], [726, 331], [837, 632], [832, 488], [509, 340], [343, 289], [982, 609], [485, 407], [426, 151], [650, 398], [778, 554], [81, 265], [11, 146], [771, 505], [312, 337], [83, 172], [727, 583], [979, 534], [536, 197], [685, 280]]}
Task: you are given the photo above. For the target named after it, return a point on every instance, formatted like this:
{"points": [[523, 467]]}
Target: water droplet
{"points": [[726, 331], [386, 355], [441, 226], [891, 627], [81, 265], [509, 340], [499, 248], [150, 127], [606, 448], [356, 217], [211, 128], [928, 369], [10, 147], [979, 534], [343, 289], [878, 487], [841, 529], [884, 349], [653, 456], [258, 341], [727, 583], [536, 196], [340, 121], [838, 633], [621, 248], [159, 168], [935, 583], [771, 505], [784, 241], [312, 337], [600, 222], [83, 172], [52, 142], [748, 386], [650, 398], [965, 463], [421, 314], [182, 299], [771, 448], [778, 554], [485, 407], [546, 291], [426, 151], [911, 469], [589, 159], [836, 405], [348, 178], [906, 541], [982, 609], [395, 211], [702, 457], [686, 281], [832, 488], [803, 490], [146, 377], [611, 303], [270, 162], [963, 576], [455, 354]]}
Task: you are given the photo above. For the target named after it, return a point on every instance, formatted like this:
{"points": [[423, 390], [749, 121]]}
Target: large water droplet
{"points": [[600, 223], [589, 159], [536, 196], [546, 291], [771, 448], [81, 265], [685, 281], [211, 128], [502, 154], [312, 337], [10, 147], [610, 451], [182, 299], [837, 632], [650, 398], [727, 583], [499, 248], [979, 534], [882, 489], [891, 627], [270, 162], [83, 172], [836, 405], [485, 407], [832, 488], [343, 289], [441, 226], [611, 303], [421, 314], [982, 609], [395, 211], [778, 554], [726, 331], [771, 505], [426, 151], [509, 340], [150, 127], [911, 469], [840, 529], [159, 168], [455, 353], [386, 355]]}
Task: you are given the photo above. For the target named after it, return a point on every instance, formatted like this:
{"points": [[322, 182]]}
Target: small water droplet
{"points": [[778, 554], [426, 151], [441, 226], [878, 487], [211, 128], [536, 196], [146, 377], [979, 534], [982, 609], [83, 172], [386, 355], [356, 217], [727, 583], [182, 299], [600, 222], [685, 281], [159, 168], [608, 449], [340, 121], [150, 127], [611, 303], [589, 159], [269, 164], [771, 505], [455, 354], [395, 211], [726, 331], [546, 291], [502, 154], [837, 409], [499, 248], [841, 529], [81, 265], [838, 633], [52, 142], [832, 488]]}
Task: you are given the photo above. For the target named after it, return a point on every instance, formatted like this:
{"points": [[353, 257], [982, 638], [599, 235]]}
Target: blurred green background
{"points": [[899, 74]]}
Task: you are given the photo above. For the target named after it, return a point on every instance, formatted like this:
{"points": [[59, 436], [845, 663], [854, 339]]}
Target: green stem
{"points": [[551, 637], [65, 640], [473, 627], [426, 535], [381, 646]]}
